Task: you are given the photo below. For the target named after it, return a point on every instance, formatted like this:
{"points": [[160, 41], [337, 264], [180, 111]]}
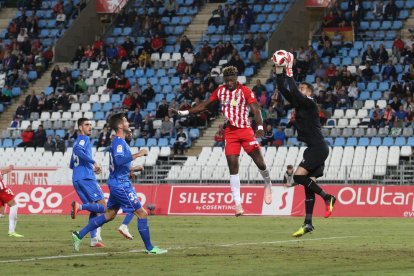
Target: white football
{"points": [[279, 58]]}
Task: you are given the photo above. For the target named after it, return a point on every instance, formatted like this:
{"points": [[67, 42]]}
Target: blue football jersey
{"points": [[120, 160], [81, 161]]}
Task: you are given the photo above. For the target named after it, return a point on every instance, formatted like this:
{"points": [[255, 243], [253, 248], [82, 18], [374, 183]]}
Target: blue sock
{"points": [[128, 218], [92, 225], [93, 232], [93, 207], [143, 230]]}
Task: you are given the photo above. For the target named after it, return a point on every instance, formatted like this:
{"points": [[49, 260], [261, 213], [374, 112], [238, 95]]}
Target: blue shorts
{"points": [[88, 190], [122, 195]]}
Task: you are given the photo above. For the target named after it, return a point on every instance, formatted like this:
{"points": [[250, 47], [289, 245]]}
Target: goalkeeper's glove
{"points": [[289, 60], [278, 70], [183, 112]]}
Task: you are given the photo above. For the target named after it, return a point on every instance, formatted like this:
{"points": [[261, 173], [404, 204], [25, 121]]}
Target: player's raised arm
{"points": [[6, 170], [280, 82], [196, 109]]}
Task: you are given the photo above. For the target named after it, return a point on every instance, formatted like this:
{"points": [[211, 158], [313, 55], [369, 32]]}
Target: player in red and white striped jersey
{"points": [[236, 102], [7, 197]]}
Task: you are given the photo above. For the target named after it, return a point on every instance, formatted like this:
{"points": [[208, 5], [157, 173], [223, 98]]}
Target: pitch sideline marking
{"points": [[175, 248]]}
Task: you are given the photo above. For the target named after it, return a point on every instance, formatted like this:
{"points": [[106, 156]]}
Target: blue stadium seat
{"points": [[172, 141], [50, 132], [150, 73], [151, 106], [351, 142], [185, 20], [257, 8], [117, 32], [404, 14], [388, 141], [364, 96], [292, 141], [163, 142], [16, 91], [7, 143], [96, 107], [261, 18], [99, 116], [107, 106], [158, 98], [48, 90], [400, 4], [372, 86], [410, 142], [270, 87], [16, 142], [400, 141], [384, 86], [272, 18], [32, 75], [347, 61], [353, 53], [386, 25], [375, 141], [363, 141], [161, 73], [364, 25], [1, 108], [140, 142], [211, 29], [194, 133], [60, 132], [358, 45], [339, 142], [329, 141], [115, 98], [267, 9], [376, 95], [126, 31], [248, 72], [152, 142]]}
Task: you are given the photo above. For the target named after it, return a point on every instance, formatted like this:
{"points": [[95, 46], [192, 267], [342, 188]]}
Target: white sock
{"points": [[266, 176], [235, 188], [12, 219]]}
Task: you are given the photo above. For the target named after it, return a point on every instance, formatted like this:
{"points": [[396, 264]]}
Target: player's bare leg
{"points": [[233, 162], [257, 157], [13, 219]]}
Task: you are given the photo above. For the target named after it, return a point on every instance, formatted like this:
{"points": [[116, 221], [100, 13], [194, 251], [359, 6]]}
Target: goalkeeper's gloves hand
{"points": [[289, 64], [183, 112], [278, 70]]}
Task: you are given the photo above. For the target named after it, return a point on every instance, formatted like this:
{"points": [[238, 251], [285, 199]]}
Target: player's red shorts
{"points": [[6, 195], [236, 138]]}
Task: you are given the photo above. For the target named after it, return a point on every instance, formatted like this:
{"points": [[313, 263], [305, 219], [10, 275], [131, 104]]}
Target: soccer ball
{"points": [[279, 58]]}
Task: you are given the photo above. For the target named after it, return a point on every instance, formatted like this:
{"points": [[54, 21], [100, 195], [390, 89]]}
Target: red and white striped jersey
{"points": [[2, 185], [235, 104]]}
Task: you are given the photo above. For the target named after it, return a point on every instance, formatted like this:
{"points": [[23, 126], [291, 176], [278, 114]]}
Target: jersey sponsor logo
{"points": [[82, 142], [119, 149]]}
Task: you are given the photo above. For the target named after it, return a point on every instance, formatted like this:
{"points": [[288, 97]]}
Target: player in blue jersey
{"points": [[121, 193], [123, 229], [84, 179]]}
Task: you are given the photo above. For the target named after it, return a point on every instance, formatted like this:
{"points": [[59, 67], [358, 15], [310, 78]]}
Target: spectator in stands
{"points": [[189, 59], [342, 99], [15, 123], [279, 137], [63, 101], [391, 11], [167, 127], [61, 19], [170, 8], [59, 145], [148, 94], [111, 52], [267, 139], [27, 137], [395, 104], [263, 99], [369, 55], [128, 102], [329, 20], [70, 136], [39, 137], [185, 43], [318, 86], [31, 102], [382, 54], [321, 72], [379, 9], [49, 145], [104, 139], [157, 44], [375, 117], [323, 39], [111, 83], [219, 137], [217, 14], [55, 76], [68, 8], [122, 85], [398, 46], [181, 66], [256, 58], [258, 88], [48, 56], [400, 117], [22, 36], [367, 73], [57, 7], [389, 72], [79, 53], [397, 88], [188, 92], [136, 118], [238, 63], [6, 94], [80, 85], [328, 50], [180, 141], [353, 92], [22, 112], [259, 42], [147, 126], [288, 176], [388, 117], [162, 109]]}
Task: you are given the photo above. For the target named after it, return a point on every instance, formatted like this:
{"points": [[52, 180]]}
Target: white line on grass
{"points": [[174, 248]]}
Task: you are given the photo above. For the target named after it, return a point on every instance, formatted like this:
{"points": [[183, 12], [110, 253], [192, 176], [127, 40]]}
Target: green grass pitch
{"points": [[213, 246]]}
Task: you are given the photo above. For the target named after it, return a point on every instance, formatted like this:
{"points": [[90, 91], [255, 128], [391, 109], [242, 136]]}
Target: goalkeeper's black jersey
{"points": [[307, 120]]}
